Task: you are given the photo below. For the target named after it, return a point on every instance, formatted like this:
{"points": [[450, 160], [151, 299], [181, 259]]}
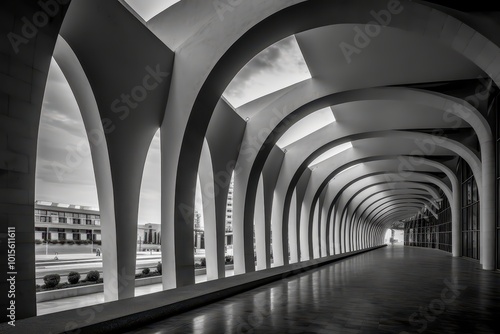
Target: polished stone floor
{"points": [[390, 290]]}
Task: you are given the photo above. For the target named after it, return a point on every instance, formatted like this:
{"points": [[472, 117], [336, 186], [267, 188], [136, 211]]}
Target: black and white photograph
{"points": [[249, 166]]}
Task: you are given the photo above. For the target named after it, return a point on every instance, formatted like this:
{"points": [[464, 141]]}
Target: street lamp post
{"points": [[47, 242]]}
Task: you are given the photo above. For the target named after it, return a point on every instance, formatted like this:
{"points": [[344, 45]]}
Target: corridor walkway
{"points": [[395, 289]]}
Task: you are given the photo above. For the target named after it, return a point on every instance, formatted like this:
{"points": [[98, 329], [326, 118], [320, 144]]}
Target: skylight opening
{"points": [[279, 66], [150, 8], [309, 124], [330, 153]]}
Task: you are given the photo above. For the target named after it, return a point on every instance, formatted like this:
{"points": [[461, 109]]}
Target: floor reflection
{"points": [[377, 292]]}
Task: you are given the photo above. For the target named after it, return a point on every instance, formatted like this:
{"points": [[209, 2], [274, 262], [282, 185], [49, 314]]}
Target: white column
{"points": [[315, 232], [292, 230], [259, 222], [336, 225], [456, 221], [487, 206]]}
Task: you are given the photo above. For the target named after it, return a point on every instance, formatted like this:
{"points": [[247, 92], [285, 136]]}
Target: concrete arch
{"points": [[406, 185], [222, 68], [455, 206], [121, 128], [361, 183], [294, 162], [342, 158], [346, 193], [400, 159], [376, 159], [456, 190], [80, 85], [215, 263], [384, 194]]}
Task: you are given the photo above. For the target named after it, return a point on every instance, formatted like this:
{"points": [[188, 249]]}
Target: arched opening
{"points": [[67, 217], [148, 261]]}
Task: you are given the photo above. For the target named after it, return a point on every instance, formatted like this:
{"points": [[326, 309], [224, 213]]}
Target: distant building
{"points": [[229, 215], [55, 221], [64, 222], [149, 236]]}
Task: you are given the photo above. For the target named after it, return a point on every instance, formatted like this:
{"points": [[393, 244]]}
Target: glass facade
{"points": [[429, 231], [470, 213], [436, 233]]}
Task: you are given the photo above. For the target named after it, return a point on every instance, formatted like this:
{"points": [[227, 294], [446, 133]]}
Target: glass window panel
{"points": [[469, 222], [474, 217], [474, 191], [469, 192], [464, 219]]}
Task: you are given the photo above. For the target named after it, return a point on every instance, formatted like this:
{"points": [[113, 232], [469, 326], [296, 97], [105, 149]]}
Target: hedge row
{"points": [[68, 242]]}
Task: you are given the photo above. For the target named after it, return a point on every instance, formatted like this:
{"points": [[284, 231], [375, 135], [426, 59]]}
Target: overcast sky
{"points": [[64, 165], [279, 66]]}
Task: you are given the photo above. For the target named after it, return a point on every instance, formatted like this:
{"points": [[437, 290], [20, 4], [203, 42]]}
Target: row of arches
{"points": [[297, 212]]}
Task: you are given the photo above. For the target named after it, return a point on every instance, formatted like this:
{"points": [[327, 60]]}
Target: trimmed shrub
{"points": [[146, 271], [70, 242], [203, 262], [98, 242], [62, 242], [158, 267], [53, 242], [78, 242], [51, 280], [38, 241], [73, 277], [93, 276]]}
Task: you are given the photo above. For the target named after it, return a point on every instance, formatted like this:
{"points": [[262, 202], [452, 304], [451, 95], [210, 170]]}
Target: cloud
{"points": [[64, 172], [276, 67]]}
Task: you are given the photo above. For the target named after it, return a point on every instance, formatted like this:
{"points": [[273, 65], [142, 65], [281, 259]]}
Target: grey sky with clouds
{"points": [[276, 67]]}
